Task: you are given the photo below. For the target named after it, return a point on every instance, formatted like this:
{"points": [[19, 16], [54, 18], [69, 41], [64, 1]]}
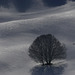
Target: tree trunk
{"points": [[48, 63], [43, 63]]}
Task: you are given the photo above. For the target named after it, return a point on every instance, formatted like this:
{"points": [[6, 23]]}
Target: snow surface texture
{"points": [[18, 30]]}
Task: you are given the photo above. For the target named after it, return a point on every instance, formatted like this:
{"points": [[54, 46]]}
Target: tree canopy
{"points": [[46, 48]]}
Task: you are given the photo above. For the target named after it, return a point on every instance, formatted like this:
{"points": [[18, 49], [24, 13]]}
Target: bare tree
{"points": [[46, 48]]}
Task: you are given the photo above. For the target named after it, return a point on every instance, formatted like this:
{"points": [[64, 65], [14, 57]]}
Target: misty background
{"points": [[25, 5]]}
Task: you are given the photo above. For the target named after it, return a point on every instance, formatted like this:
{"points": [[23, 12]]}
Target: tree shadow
{"points": [[48, 70]]}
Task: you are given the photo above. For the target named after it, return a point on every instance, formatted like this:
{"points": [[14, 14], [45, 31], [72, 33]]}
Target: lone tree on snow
{"points": [[46, 48]]}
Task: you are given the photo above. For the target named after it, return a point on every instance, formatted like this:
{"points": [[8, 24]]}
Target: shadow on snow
{"points": [[48, 70]]}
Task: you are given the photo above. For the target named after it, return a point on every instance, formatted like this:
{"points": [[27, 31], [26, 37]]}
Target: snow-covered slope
{"points": [[17, 35]]}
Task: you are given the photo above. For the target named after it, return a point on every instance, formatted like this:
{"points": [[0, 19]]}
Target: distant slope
{"points": [[10, 16]]}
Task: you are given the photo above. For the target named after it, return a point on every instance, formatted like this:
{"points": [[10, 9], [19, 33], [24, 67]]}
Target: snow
{"points": [[16, 35]]}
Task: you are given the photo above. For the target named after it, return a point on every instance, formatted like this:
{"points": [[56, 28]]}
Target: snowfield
{"points": [[18, 32]]}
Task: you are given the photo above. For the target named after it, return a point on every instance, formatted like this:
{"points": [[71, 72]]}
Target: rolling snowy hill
{"points": [[18, 30]]}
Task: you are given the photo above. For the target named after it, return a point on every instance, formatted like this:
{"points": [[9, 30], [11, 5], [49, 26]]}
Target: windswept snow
{"points": [[17, 34]]}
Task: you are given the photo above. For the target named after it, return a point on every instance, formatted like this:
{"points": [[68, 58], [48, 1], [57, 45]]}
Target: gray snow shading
{"points": [[18, 31], [48, 70]]}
